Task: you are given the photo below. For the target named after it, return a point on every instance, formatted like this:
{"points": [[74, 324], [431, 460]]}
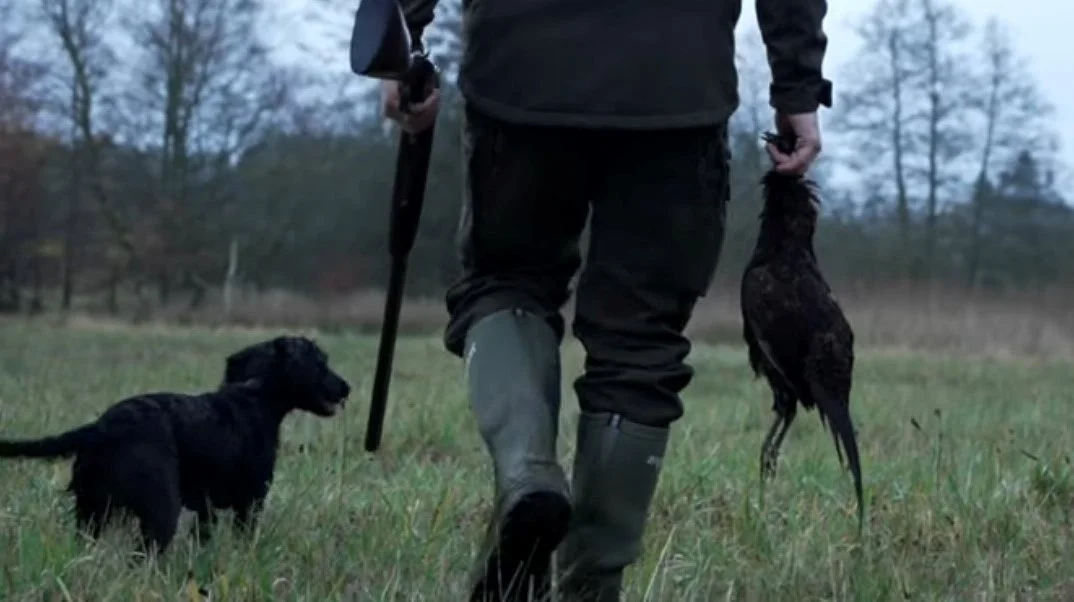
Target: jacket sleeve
{"points": [[795, 42], [419, 14]]}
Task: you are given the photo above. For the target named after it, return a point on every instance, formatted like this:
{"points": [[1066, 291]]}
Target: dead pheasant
{"points": [[797, 335]]}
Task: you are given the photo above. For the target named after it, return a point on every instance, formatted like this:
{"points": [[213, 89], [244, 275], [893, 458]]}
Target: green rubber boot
{"points": [[616, 471], [513, 371]]}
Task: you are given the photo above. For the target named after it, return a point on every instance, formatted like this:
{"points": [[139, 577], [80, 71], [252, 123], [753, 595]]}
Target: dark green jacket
{"points": [[637, 64]]}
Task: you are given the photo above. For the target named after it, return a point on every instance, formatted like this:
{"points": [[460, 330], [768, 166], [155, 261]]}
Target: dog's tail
{"points": [[837, 415], [58, 446]]}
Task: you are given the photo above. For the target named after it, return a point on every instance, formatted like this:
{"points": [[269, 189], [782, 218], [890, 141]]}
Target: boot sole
{"points": [[531, 532]]}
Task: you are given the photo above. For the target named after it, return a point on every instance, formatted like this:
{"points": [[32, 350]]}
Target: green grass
{"points": [[957, 511]]}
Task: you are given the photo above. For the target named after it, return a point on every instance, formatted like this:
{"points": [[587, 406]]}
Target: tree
{"points": [[876, 110], [20, 76], [1014, 117], [1027, 227], [906, 114], [80, 29], [939, 54], [22, 155], [206, 89]]}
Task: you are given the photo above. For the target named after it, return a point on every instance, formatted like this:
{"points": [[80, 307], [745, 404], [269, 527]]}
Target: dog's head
{"points": [[296, 368]]}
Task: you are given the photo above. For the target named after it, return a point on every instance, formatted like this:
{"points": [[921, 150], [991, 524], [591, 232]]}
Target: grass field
{"points": [[956, 511]]}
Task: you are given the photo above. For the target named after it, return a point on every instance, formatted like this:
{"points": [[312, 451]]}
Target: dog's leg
{"points": [[147, 487], [158, 525], [88, 517], [206, 520], [93, 496], [246, 515]]}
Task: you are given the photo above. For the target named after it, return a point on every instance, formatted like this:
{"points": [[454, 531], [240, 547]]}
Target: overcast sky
{"points": [[1039, 33], [1039, 30]]}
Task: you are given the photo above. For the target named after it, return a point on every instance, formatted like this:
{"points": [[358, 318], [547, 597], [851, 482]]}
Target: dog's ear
{"points": [[236, 366], [284, 348], [251, 362]]}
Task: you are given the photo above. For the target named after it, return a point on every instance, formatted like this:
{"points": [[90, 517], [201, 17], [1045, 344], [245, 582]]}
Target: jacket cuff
{"points": [[801, 98]]}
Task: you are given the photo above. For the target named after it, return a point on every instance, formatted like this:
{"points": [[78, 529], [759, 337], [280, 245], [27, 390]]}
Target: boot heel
{"points": [[520, 562]]}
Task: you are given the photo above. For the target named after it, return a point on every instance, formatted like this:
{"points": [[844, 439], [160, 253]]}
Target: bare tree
{"points": [[22, 154], [907, 110], [80, 28], [877, 109], [206, 81], [1014, 118], [1009, 103], [20, 76], [940, 55]]}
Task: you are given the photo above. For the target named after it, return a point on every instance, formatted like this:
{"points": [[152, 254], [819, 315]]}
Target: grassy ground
{"points": [[956, 511]]}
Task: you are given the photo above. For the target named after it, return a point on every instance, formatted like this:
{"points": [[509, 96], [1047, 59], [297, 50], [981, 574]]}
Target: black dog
{"points": [[796, 332], [152, 454]]}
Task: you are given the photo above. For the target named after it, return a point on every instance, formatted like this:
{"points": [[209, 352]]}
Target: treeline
{"points": [[155, 153]]}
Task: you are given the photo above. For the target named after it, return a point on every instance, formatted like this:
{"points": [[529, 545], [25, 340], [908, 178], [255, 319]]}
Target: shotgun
{"points": [[381, 48]]}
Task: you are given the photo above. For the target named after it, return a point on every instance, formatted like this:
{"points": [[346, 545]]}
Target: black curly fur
{"points": [[152, 454], [797, 335]]}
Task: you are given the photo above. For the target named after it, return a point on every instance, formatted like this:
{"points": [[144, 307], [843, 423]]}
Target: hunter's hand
{"points": [[806, 131], [421, 116]]}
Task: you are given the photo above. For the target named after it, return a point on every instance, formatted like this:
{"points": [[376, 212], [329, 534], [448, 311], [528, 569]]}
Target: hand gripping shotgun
{"points": [[381, 48]]}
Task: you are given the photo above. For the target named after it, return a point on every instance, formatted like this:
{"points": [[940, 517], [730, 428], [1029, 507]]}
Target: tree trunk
{"points": [[70, 241], [898, 154], [229, 279], [164, 288], [113, 291], [933, 183]]}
